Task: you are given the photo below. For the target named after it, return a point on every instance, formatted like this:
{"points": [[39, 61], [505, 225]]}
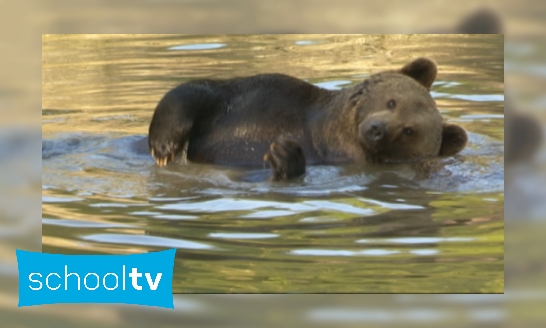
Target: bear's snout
{"points": [[376, 132], [373, 134]]}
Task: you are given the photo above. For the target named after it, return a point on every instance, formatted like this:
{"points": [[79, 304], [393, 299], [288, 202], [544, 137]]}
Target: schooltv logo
{"points": [[143, 279]]}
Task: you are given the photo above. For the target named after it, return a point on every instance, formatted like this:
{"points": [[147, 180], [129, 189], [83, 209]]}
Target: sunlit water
{"points": [[338, 229]]}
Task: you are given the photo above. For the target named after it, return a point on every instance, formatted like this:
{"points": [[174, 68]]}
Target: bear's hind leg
{"points": [[286, 158], [174, 118], [168, 135]]}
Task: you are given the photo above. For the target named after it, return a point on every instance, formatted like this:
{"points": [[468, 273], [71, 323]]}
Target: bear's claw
{"points": [[165, 153]]}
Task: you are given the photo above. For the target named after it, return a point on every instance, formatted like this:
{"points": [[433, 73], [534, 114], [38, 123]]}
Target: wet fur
{"points": [[294, 123]]}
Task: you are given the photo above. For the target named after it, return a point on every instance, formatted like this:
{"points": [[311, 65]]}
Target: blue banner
{"points": [[143, 279]]}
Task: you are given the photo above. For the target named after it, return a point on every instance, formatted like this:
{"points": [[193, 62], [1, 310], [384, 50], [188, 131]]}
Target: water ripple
{"points": [[146, 241]]}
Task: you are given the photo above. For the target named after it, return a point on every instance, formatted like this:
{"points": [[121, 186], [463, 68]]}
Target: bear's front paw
{"points": [[286, 158], [164, 151]]}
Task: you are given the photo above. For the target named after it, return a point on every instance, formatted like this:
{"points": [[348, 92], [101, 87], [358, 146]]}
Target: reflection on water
{"points": [[204, 46], [339, 229]]}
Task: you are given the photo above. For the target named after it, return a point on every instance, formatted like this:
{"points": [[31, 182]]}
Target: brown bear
{"points": [[389, 117]]}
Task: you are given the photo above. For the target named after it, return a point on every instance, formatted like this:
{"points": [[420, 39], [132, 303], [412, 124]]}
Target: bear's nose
{"points": [[377, 131]]}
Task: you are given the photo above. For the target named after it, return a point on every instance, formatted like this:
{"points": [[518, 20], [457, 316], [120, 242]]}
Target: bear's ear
{"points": [[422, 70], [454, 139]]}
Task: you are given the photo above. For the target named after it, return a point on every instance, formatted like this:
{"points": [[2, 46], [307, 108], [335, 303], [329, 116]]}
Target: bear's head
{"points": [[397, 119]]}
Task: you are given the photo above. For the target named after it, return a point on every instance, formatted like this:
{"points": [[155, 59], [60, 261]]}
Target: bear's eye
{"points": [[408, 131], [391, 104]]}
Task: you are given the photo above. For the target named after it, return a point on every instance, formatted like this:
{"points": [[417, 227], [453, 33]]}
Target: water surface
{"points": [[338, 229]]}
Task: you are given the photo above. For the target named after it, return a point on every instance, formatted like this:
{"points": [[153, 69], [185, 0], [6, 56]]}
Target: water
{"points": [[338, 229]]}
